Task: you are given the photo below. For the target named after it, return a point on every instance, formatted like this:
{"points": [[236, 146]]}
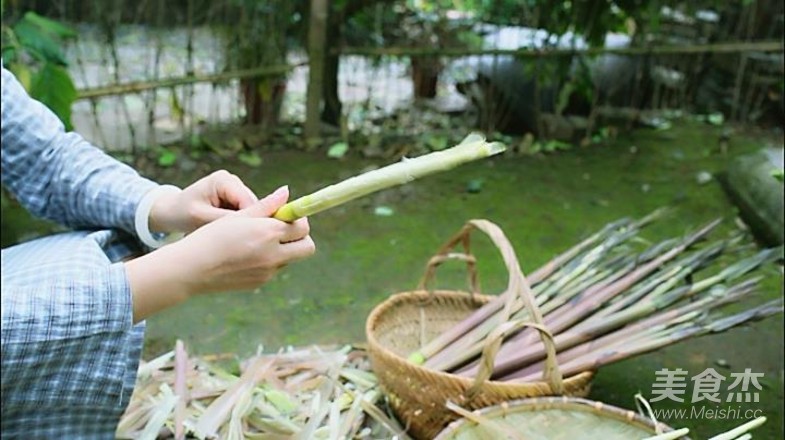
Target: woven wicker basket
{"points": [[554, 418], [405, 321]]}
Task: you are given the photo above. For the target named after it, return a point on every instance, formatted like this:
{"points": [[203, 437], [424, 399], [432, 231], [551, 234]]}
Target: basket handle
{"points": [[517, 286], [551, 374], [438, 259]]}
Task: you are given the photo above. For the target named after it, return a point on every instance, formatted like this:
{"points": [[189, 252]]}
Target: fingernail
{"points": [[282, 189]]}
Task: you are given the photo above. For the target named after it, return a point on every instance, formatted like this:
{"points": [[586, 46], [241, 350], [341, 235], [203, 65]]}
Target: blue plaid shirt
{"points": [[70, 350]]}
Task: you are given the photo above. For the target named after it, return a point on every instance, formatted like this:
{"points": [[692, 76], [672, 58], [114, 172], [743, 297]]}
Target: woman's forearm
{"points": [[157, 281]]}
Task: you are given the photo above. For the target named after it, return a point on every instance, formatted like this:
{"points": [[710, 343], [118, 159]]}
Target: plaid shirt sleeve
{"points": [[69, 347], [59, 175]]}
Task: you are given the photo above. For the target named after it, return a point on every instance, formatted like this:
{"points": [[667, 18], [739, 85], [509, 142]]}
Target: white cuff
{"points": [[142, 218]]}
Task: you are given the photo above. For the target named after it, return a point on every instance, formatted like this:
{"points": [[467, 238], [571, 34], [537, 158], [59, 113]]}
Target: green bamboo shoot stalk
{"points": [[511, 349], [461, 349], [598, 331], [463, 353], [591, 299], [446, 340], [608, 288], [672, 435], [670, 336], [656, 285], [767, 309], [736, 432], [471, 342], [513, 354], [580, 272], [608, 273], [623, 337], [473, 147], [659, 283], [570, 291], [597, 337], [547, 269], [578, 266], [607, 355], [713, 300], [597, 348], [744, 266]]}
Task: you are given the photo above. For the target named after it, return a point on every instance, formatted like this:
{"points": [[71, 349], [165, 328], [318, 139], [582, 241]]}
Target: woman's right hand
{"points": [[242, 250]]}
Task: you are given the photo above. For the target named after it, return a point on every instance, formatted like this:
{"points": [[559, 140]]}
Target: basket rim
{"points": [[531, 404], [402, 297]]}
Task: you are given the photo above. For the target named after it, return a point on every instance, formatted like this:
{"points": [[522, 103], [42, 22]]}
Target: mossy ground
{"points": [[543, 203]]}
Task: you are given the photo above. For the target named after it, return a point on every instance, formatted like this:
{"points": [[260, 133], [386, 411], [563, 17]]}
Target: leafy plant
{"points": [[31, 50], [251, 158], [338, 150], [166, 157]]}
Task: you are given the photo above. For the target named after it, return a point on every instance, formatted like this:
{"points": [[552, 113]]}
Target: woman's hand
{"points": [[242, 250], [204, 201]]}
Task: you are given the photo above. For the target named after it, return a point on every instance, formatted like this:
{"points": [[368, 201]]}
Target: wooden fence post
{"points": [[317, 31]]}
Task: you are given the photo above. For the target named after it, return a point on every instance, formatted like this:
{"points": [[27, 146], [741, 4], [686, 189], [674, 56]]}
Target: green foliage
{"points": [[32, 52], [250, 158], [406, 24], [474, 186], [166, 157], [436, 142], [263, 29], [338, 150], [52, 85]]}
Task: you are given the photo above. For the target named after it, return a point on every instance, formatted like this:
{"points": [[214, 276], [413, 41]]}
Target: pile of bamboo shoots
{"points": [[308, 393], [610, 297]]}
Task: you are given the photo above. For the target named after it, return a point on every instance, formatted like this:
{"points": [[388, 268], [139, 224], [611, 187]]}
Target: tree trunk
{"points": [[263, 99], [331, 111], [425, 77], [317, 33], [332, 108]]}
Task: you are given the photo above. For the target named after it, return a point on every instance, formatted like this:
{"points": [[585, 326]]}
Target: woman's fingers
{"points": [[268, 205], [297, 250], [296, 230], [232, 192]]}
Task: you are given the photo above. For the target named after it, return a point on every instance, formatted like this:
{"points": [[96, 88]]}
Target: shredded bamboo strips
{"points": [[221, 408], [180, 389], [309, 392], [473, 147]]}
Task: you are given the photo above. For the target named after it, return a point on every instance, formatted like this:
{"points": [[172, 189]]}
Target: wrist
{"points": [[157, 282], [152, 220], [162, 217]]}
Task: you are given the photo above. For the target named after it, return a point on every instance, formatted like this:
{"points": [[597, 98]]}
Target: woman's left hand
{"points": [[204, 201]]}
